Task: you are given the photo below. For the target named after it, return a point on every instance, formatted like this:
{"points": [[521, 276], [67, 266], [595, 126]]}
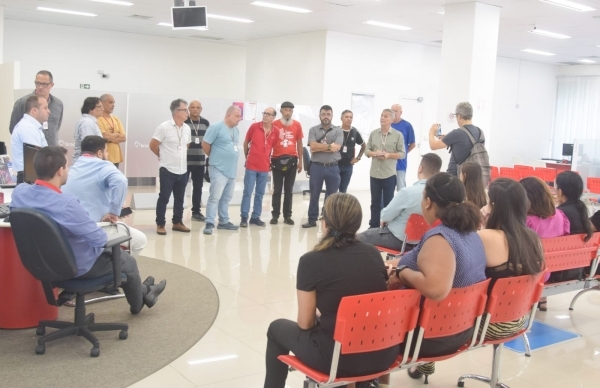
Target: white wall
{"points": [[136, 63], [579, 70], [9, 81], [286, 68]]}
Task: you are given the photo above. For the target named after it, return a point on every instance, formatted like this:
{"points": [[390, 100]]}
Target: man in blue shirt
{"points": [[88, 123], [29, 130], [221, 145], [101, 189], [407, 201], [87, 240], [407, 131]]}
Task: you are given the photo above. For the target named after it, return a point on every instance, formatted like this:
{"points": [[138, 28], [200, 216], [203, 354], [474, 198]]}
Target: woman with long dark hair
{"points": [[338, 266], [471, 176]]}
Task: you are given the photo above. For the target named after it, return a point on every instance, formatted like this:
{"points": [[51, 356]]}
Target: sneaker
{"points": [[310, 224], [160, 230], [180, 227], [256, 221], [228, 226], [288, 221], [244, 223], [273, 221], [208, 229], [198, 217]]}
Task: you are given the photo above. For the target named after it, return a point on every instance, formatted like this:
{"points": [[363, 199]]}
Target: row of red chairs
{"points": [[416, 226], [519, 172], [371, 322]]}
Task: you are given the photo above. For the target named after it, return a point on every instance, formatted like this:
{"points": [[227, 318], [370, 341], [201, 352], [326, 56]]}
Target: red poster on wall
{"points": [[241, 106]]}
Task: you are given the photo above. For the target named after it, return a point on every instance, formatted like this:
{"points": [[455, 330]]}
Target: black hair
{"points": [[48, 161], [431, 163], [326, 107], [93, 144], [46, 72], [571, 185], [32, 102], [89, 104]]}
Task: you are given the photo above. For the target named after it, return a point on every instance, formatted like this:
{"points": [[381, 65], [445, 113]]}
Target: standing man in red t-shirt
{"points": [[260, 139], [286, 162]]}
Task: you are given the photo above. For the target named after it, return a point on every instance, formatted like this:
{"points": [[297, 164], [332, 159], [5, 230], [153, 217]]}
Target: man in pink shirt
{"points": [[260, 139]]}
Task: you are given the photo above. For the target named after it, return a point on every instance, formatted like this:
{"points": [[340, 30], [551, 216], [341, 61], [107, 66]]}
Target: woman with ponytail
{"points": [[338, 266]]}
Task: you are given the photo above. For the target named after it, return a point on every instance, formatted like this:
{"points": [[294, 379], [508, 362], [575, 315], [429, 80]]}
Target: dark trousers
{"points": [[134, 292], [20, 177], [345, 175], [319, 174], [382, 192], [197, 174], [283, 180], [116, 165], [170, 183], [285, 336]]}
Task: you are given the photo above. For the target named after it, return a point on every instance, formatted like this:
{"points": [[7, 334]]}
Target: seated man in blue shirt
{"points": [[86, 238], [407, 201], [101, 189]]}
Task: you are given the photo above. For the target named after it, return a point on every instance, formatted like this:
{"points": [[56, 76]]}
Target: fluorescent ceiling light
{"points": [[586, 61], [388, 25], [442, 12], [538, 52], [281, 7], [570, 5], [66, 11], [231, 19], [205, 360], [115, 2], [171, 25], [549, 34]]}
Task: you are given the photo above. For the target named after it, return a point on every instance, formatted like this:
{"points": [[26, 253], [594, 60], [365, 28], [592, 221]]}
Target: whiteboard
{"points": [[362, 110]]}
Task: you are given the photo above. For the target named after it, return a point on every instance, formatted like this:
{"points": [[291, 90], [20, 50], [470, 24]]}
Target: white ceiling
{"points": [[518, 16]]}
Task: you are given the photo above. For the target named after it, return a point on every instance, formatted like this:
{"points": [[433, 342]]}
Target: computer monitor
{"points": [[29, 152], [567, 149]]}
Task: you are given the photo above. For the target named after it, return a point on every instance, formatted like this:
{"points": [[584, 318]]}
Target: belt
{"points": [[326, 164]]}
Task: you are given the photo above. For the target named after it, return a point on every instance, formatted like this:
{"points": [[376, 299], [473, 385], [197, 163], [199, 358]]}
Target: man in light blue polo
{"points": [[221, 144], [407, 201], [406, 129], [29, 130]]}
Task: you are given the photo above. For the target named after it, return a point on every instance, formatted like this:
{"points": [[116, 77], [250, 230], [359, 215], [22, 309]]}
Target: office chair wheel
{"points": [[95, 352], [461, 383], [41, 330], [123, 334], [40, 349]]}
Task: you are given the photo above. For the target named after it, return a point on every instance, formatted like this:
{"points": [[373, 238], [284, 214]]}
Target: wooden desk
{"points": [[560, 167], [22, 299]]}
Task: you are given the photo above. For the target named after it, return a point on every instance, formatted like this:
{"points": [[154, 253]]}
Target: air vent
{"points": [[205, 37], [570, 63], [337, 4], [140, 17], [436, 41], [592, 57]]}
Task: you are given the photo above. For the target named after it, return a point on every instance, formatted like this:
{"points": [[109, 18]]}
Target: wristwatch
{"points": [[399, 269], [328, 147]]}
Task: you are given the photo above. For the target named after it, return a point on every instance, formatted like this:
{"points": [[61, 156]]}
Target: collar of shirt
{"points": [[91, 117], [421, 182], [388, 131], [50, 98], [33, 121], [47, 185]]}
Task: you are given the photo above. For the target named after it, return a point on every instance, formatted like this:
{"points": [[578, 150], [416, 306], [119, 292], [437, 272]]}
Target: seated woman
{"points": [[543, 217], [338, 266], [471, 176], [511, 248], [450, 255]]}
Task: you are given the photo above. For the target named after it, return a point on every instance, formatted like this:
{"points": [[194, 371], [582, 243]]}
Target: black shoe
{"points": [[310, 224], [257, 222], [198, 217], [273, 221], [155, 290], [149, 281], [244, 223], [414, 375], [288, 221]]}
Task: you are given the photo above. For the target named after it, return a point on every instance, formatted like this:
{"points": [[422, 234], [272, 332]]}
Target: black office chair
{"points": [[47, 255]]}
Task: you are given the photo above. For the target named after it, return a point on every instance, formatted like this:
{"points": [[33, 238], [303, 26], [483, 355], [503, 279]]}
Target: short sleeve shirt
{"points": [[406, 129], [333, 135], [112, 125], [224, 148], [195, 154], [173, 146], [288, 138], [393, 142], [460, 145], [260, 146], [351, 139]]}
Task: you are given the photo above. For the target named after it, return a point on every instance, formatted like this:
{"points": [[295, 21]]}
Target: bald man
{"points": [[196, 158], [112, 129], [406, 129], [221, 144]]}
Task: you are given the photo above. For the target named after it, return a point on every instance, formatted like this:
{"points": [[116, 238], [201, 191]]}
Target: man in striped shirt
{"points": [[196, 159]]}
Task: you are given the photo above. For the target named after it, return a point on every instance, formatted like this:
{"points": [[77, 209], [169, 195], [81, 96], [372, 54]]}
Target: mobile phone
{"points": [[439, 131], [126, 211]]}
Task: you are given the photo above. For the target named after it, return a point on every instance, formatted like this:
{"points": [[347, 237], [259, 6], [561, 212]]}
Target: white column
{"points": [[469, 52], [2, 34]]}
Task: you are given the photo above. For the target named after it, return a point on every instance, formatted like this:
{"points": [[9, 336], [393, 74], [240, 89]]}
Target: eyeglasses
{"points": [[182, 110], [42, 84], [267, 114]]}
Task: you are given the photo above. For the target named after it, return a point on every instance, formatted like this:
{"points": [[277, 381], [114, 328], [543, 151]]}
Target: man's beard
{"points": [[285, 121]]}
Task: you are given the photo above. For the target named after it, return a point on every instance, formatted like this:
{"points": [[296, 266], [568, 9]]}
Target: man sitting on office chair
{"points": [[86, 238], [101, 189]]}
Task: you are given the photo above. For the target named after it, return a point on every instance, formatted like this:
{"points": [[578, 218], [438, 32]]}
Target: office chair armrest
{"points": [[115, 245]]}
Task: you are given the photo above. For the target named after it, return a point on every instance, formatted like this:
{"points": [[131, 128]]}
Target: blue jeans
{"points": [[170, 183], [319, 174], [382, 192], [400, 179], [252, 178], [219, 196], [345, 175]]}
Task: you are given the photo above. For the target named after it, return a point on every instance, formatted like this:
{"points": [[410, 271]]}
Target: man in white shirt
{"points": [[29, 130], [170, 143]]}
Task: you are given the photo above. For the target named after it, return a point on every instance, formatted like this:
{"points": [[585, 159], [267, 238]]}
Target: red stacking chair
{"points": [[495, 173], [524, 171], [509, 172], [416, 227], [462, 309], [548, 175], [510, 299], [593, 186], [366, 323]]}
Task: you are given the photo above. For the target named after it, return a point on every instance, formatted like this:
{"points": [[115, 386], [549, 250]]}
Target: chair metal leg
{"points": [[595, 288], [527, 346], [461, 379], [103, 298], [55, 324], [492, 381]]}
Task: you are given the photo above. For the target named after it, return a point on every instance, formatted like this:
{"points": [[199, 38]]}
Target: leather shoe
{"points": [[155, 290], [310, 224], [273, 221], [160, 229], [180, 227], [288, 221], [149, 281]]}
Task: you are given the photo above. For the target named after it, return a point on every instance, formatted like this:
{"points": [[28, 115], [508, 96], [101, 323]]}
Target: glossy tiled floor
{"points": [[254, 272]]}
